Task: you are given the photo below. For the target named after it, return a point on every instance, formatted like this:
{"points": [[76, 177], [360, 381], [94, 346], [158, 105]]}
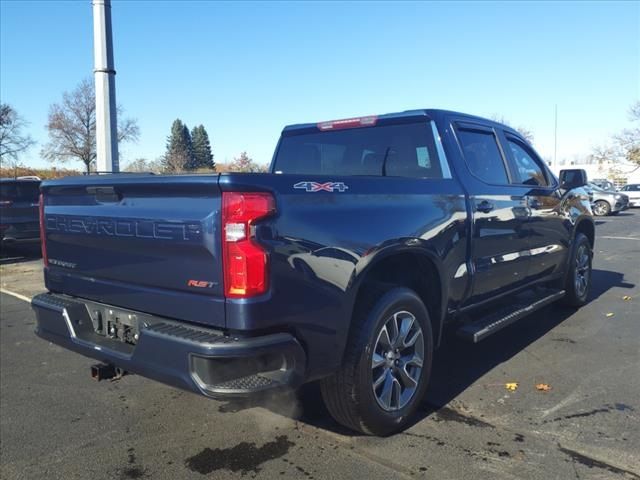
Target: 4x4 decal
{"points": [[321, 187]]}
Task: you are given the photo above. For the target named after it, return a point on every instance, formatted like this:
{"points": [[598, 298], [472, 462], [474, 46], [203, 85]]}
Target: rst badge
{"points": [[321, 187], [200, 284]]}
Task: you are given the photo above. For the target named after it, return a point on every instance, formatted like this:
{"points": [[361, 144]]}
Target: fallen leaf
{"points": [[543, 387], [512, 386], [609, 315], [626, 298]]}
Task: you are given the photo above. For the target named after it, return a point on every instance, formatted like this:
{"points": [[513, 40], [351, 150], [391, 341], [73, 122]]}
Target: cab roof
{"points": [[407, 116]]}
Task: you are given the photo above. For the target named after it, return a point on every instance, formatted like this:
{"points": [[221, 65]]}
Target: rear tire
{"points": [[578, 279], [601, 208], [383, 376]]}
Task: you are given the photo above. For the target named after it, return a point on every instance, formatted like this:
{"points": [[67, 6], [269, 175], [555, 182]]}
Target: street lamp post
{"points": [[105, 82]]}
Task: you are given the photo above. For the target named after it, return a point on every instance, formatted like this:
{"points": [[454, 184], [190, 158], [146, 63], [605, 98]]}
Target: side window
{"points": [[528, 170], [483, 156]]}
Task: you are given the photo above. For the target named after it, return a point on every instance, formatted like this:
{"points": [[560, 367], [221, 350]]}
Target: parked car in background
{"points": [[19, 221], [604, 184], [633, 192], [606, 202]]}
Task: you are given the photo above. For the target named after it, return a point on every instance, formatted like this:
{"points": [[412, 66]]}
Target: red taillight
{"points": [[43, 232], [369, 121], [245, 262]]}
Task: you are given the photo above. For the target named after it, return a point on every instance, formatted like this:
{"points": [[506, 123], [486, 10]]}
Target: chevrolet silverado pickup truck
{"points": [[342, 265]]}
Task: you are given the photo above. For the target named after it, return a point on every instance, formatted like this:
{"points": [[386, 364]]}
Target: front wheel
{"points": [[386, 366], [601, 208], [578, 280]]}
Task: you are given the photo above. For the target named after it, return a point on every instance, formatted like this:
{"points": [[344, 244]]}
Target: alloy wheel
{"points": [[397, 361], [582, 271], [600, 208]]}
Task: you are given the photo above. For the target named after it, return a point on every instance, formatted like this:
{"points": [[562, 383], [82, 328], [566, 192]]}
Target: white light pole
{"points": [[104, 74], [555, 140]]}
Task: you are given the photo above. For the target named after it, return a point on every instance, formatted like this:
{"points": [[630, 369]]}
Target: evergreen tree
{"points": [[203, 158], [191, 159], [179, 155]]}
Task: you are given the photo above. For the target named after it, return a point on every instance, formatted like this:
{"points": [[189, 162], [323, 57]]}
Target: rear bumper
{"points": [[201, 360]]}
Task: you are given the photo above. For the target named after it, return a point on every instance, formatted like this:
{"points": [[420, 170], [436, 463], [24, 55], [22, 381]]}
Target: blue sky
{"points": [[246, 69]]}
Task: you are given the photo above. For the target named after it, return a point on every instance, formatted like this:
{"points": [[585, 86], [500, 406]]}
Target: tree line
{"points": [[71, 128]]}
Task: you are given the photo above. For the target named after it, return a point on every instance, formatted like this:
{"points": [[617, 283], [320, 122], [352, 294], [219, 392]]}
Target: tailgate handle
{"points": [[104, 194]]}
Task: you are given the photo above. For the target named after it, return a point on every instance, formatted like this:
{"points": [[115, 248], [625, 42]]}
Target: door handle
{"points": [[484, 206], [534, 203]]}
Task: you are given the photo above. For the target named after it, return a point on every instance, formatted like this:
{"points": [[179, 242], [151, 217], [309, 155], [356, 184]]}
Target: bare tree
{"points": [[175, 162], [627, 142], [244, 163], [624, 147], [601, 154], [523, 131], [72, 127], [144, 165], [13, 141]]}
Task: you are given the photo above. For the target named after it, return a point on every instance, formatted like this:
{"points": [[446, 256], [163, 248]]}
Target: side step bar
{"points": [[497, 320]]}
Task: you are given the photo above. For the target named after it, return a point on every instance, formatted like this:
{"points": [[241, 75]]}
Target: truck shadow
{"points": [[457, 364], [623, 214], [10, 254]]}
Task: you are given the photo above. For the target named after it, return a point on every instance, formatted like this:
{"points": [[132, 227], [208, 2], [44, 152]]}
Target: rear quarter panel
{"points": [[321, 244]]}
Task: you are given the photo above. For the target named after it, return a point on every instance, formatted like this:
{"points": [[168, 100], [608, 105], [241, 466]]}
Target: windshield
{"points": [[406, 150]]}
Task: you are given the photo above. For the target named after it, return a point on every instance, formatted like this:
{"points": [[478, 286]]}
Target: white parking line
{"points": [[16, 295], [622, 238]]}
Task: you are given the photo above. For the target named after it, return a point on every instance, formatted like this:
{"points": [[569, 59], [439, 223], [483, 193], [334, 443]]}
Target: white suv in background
{"points": [[633, 192]]}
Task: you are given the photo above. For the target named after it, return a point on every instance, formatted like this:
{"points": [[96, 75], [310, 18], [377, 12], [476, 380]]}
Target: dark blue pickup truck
{"points": [[343, 264]]}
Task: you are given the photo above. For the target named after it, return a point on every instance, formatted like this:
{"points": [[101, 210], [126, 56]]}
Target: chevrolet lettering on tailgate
{"points": [[122, 227]]}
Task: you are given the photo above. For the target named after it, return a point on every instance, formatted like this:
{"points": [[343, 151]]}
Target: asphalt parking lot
{"points": [[56, 422]]}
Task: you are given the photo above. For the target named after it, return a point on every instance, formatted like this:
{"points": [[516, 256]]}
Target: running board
{"points": [[497, 320]]}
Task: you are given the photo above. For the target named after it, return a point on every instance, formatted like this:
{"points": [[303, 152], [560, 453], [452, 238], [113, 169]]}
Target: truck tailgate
{"points": [[144, 242]]}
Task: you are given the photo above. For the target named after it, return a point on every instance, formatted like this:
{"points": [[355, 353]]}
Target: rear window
{"points": [[406, 150], [20, 191]]}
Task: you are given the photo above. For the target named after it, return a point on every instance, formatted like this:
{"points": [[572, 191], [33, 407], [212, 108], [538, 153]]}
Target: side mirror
{"points": [[573, 178]]}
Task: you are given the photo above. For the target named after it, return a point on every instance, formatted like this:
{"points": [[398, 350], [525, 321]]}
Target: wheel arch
{"points": [[416, 268], [586, 226]]}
